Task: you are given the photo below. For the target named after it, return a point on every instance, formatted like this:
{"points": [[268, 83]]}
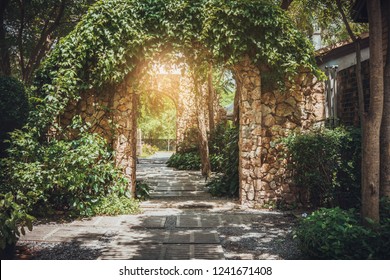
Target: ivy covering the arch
{"points": [[115, 35]]}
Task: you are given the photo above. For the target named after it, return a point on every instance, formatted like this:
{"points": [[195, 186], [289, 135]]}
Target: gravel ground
{"points": [[265, 239], [57, 251]]}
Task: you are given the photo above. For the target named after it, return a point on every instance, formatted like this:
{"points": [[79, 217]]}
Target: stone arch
{"points": [[105, 94]]}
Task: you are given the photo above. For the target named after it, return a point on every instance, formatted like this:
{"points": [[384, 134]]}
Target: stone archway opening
{"points": [[157, 113]]}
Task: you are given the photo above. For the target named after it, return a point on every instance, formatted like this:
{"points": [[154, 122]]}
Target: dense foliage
{"points": [[224, 147], [326, 164], [14, 108], [142, 190], [338, 234], [62, 174], [325, 16], [13, 219], [185, 161], [114, 204], [148, 150]]}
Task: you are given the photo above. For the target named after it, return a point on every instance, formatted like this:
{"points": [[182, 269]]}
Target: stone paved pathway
{"points": [[180, 221]]}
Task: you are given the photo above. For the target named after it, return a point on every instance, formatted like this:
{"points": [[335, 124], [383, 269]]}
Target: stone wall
{"points": [[248, 81], [111, 112], [186, 110], [264, 119], [300, 108]]}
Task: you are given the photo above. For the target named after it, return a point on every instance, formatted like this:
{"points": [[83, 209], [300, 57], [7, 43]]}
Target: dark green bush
{"points": [[13, 220], [228, 183], [14, 108], [383, 246], [142, 190], [335, 234], [326, 163], [62, 174], [185, 161]]}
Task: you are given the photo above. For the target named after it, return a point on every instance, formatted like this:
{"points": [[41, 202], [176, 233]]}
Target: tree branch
{"points": [[41, 46], [20, 36], [345, 20]]}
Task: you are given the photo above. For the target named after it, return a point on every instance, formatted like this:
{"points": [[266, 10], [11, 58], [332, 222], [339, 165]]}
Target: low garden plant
{"points": [[142, 190], [115, 204], [326, 165], [335, 233], [148, 150], [227, 183], [185, 161]]}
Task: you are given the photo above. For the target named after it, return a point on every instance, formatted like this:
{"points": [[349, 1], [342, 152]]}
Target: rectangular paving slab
{"points": [[164, 252], [166, 237], [193, 237], [210, 221]]}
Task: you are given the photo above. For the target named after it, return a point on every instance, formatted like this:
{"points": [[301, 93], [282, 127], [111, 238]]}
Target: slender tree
{"points": [[201, 125], [210, 97], [385, 129], [373, 118]]}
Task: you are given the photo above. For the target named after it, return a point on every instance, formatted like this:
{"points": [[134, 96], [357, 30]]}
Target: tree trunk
{"points": [[385, 129], [5, 64], [202, 129], [237, 96], [211, 97], [373, 119], [286, 4]]}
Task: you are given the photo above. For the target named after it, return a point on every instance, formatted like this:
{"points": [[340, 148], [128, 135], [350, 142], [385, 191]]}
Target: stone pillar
{"points": [[125, 139], [249, 86], [186, 109]]}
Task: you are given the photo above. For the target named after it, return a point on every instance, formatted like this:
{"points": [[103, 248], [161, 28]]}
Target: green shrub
{"points": [[228, 183], [335, 234], [115, 204], [142, 190], [185, 161], [62, 174], [148, 150], [383, 240], [14, 108], [326, 163], [13, 220]]}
